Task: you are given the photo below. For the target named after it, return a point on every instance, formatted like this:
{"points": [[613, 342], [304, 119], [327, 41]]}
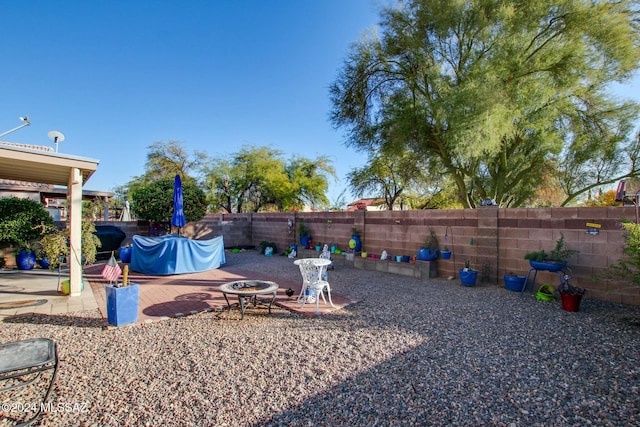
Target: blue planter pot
{"points": [[125, 254], [445, 254], [358, 243], [44, 263], [469, 277], [122, 304], [514, 283], [26, 260], [547, 266], [426, 254], [304, 241]]}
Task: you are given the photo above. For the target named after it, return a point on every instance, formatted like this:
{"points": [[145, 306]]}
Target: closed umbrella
{"points": [[177, 220]]}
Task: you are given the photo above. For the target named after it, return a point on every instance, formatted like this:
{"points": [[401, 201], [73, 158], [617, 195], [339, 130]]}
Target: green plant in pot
{"points": [[468, 276], [429, 251], [355, 243], [445, 253], [55, 247], [513, 282], [570, 295], [304, 233], [554, 260], [23, 221]]}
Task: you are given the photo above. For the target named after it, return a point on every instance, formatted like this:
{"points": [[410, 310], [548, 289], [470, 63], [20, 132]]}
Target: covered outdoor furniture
{"points": [[313, 270], [27, 363], [173, 254]]}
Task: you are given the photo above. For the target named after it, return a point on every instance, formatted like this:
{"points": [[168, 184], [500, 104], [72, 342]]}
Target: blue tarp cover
{"points": [[173, 254]]}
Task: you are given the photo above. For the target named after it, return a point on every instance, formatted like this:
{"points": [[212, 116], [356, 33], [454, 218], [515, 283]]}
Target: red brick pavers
{"points": [[163, 297]]}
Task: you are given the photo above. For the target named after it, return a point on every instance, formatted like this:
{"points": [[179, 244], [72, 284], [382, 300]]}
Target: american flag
{"points": [[111, 271]]}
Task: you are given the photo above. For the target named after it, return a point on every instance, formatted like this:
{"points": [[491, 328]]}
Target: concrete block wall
{"points": [[493, 240]]}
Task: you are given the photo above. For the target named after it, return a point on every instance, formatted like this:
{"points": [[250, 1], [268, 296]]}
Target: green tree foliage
{"points": [[387, 175], [259, 179], [498, 94], [166, 160], [154, 202], [23, 220], [627, 269]]}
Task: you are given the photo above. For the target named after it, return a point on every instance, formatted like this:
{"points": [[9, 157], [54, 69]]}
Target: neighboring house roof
{"points": [[362, 204]]}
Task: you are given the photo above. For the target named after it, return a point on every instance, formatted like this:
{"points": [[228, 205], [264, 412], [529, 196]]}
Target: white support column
{"points": [[106, 208], [74, 192]]}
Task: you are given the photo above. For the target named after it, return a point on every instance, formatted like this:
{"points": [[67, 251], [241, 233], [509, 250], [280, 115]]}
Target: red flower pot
{"points": [[571, 302]]}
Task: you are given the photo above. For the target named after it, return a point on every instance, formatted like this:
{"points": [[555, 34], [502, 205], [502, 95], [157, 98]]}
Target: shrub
{"points": [[154, 202], [23, 220]]}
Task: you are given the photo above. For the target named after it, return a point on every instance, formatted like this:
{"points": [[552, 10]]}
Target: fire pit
{"points": [[249, 289]]}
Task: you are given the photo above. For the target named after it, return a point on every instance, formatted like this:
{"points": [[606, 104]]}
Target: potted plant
{"points": [[429, 251], [22, 221], [468, 276], [555, 260], [266, 244], [41, 257], [445, 253], [55, 247], [570, 295], [305, 234], [25, 256], [513, 282], [355, 244]]}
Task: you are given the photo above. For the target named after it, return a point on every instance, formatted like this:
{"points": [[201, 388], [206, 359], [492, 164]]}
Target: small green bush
{"points": [[264, 245]]}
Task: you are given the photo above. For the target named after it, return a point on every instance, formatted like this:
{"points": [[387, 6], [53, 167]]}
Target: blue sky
{"points": [[116, 76]]}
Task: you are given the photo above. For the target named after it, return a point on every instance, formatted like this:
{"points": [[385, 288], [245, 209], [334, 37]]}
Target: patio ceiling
{"points": [[23, 164]]}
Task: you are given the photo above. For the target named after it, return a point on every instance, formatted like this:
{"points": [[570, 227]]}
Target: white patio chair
{"points": [[312, 280]]}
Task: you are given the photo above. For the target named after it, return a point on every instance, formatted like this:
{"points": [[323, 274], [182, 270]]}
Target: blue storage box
{"points": [[122, 304]]}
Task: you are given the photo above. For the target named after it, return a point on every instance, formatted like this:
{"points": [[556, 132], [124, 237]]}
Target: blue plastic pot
{"points": [[426, 254], [514, 283], [547, 266], [469, 277], [358, 246]]}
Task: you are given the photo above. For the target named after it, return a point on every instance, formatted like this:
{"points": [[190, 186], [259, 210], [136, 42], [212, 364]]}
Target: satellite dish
{"points": [[56, 137]]}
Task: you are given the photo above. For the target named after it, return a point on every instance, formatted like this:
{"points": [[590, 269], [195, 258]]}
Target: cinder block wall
{"points": [[493, 240]]}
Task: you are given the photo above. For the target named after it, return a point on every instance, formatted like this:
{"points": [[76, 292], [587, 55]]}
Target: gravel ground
{"points": [[409, 353]]}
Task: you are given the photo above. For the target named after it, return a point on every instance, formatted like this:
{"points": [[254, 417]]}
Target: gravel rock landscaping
{"points": [[410, 352]]}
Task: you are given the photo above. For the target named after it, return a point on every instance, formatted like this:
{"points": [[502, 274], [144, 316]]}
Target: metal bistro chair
{"points": [[22, 364], [312, 279]]}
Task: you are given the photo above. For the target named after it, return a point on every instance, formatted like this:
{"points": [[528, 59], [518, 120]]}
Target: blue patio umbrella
{"points": [[178, 220]]}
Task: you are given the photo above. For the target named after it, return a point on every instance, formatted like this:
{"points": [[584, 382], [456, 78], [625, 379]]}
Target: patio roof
{"points": [[39, 164], [23, 163]]}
